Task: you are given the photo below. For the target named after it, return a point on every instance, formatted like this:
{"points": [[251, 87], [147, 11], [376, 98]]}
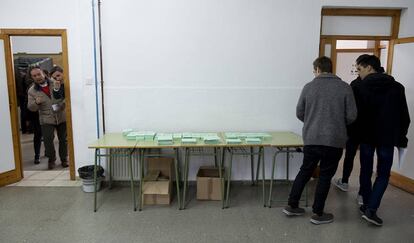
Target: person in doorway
{"points": [[56, 73], [383, 121], [51, 114], [21, 92], [326, 106], [33, 117]]}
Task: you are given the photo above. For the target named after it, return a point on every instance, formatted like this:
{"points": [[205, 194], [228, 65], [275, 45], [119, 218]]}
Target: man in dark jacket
{"points": [[351, 149], [382, 123], [326, 106]]}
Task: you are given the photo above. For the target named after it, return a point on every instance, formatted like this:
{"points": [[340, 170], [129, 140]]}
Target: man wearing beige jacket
{"points": [[42, 97]]}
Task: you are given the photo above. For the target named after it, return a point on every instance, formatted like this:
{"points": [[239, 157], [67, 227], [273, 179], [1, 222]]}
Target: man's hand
{"points": [[56, 84], [38, 100]]}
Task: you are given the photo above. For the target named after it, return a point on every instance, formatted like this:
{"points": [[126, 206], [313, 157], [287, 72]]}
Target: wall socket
{"points": [[89, 81]]}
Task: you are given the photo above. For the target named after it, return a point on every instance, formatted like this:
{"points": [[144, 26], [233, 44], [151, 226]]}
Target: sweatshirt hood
{"points": [[378, 81]]}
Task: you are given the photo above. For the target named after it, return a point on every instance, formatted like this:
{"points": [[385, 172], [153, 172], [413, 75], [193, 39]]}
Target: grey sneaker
{"points": [[342, 186], [325, 218], [289, 211], [360, 201]]}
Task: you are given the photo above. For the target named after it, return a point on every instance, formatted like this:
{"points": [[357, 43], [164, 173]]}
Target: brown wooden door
{"points": [[10, 156]]}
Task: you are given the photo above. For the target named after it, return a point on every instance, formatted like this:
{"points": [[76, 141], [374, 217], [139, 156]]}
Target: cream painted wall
{"points": [[223, 65]]}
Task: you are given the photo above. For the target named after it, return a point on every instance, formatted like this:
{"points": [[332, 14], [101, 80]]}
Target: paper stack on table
{"points": [[177, 135], [231, 135], [146, 135], [233, 141], [131, 135], [253, 140], [165, 139], [212, 139], [189, 140], [126, 131]]}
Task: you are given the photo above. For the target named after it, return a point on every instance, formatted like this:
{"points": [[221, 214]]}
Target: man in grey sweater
{"points": [[326, 106]]}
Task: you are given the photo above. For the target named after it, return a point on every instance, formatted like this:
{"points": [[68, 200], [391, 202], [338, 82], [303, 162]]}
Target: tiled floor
{"points": [[47, 178]]}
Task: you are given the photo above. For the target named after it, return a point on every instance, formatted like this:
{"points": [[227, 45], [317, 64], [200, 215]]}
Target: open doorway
{"points": [[44, 52], [46, 49], [347, 51]]}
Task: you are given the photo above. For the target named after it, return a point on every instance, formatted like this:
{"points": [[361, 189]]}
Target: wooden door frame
{"points": [[391, 50], [395, 14], [12, 176], [12, 91]]}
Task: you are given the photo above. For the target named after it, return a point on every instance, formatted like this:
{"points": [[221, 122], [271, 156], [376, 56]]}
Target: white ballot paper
{"points": [[402, 152]]}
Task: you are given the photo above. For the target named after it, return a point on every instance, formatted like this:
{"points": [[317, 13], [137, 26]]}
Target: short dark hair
{"points": [[370, 60], [56, 69], [323, 63], [31, 68]]}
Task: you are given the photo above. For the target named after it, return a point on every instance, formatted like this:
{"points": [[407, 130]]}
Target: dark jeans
{"points": [[23, 113], [312, 154], [37, 137], [48, 132], [372, 195], [350, 152]]}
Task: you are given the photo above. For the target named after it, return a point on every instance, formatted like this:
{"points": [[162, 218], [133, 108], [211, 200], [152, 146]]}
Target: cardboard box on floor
{"points": [[208, 183], [157, 187]]}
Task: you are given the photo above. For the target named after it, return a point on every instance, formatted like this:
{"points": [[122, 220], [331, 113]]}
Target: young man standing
{"points": [[351, 149], [383, 122], [326, 106]]}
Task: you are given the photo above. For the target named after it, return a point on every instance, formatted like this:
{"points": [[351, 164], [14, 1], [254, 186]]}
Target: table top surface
{"points": [[117, 140], [113, 140]]}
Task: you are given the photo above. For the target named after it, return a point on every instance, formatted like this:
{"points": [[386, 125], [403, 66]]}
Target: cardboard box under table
{"points": [[209, 183], [157, 187]]}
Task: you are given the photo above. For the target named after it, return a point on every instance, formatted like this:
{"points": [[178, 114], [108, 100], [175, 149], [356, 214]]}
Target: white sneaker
{"points": [[360, 201], [342, 186]]}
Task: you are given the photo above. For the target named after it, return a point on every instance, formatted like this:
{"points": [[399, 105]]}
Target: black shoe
{"points": [[64, 164], [51, 164], [325, 218], [36, 161], [289, 211], [372, 217]]}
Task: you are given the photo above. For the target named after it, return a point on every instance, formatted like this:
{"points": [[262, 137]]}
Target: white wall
{"points": [[188, 65], [352, 44], [403, 72], [75, 16]]}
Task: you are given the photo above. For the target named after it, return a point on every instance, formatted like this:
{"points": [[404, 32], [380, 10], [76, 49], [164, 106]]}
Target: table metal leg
{"points": [[221, 165], [229, 179], [215, 157], [258, 167], [141, 172], [94, 179], [185, 183], [177, 177], [252, 163], [287, 166], [261, 155], [132, 179], [269, 203], [109, 164]]}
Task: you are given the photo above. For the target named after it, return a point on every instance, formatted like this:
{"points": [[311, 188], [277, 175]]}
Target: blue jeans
{"points": [[350, 152], [372, 195]]}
